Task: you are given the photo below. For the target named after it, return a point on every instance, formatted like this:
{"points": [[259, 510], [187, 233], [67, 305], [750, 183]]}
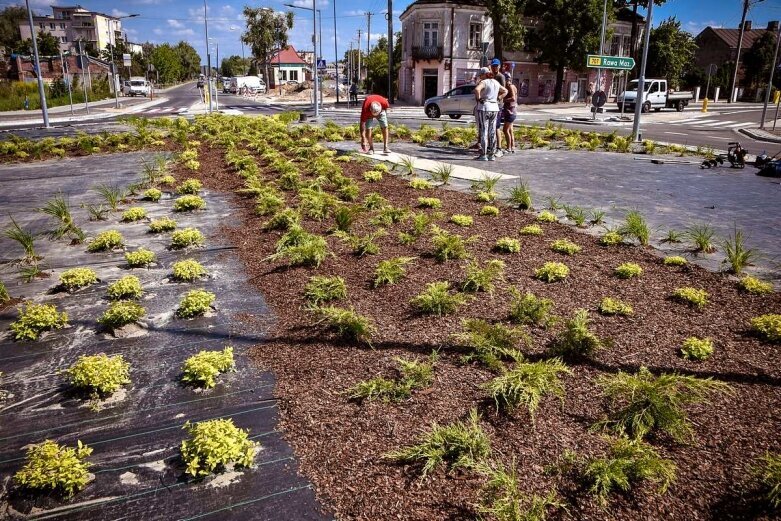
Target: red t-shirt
{"points": [[366, 114]]}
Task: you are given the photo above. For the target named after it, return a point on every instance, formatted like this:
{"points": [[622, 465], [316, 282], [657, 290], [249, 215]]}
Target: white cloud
{"points": [[697, 27], [308, 4], [117, 13], [176, 24], [354, 12], [184, 32]]}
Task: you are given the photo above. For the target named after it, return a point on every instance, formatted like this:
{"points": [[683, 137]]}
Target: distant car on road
{"points": [[656, 96], [252, 83], [454, 103], [136, 86]]}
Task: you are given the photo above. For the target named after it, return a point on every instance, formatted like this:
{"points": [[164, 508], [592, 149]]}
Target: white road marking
{"points": [[739, 125], [718, 123], [677, 133]]}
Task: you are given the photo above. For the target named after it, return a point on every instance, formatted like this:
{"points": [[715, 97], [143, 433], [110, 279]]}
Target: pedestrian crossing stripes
{"points": [[706, 122], [160, 110]]}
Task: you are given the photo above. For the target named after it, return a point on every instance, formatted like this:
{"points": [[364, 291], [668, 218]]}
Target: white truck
{"points": [[252, 84], [656, 96], [136, 86]]}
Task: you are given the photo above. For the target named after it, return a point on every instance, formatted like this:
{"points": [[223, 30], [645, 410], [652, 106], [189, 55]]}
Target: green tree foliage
{"points": [[377, 66], [507, 15], [758, 60], [266, 32], [10, 18], [670, 52], [167, 63], [48, 45], [234, 66], [189, 59]]}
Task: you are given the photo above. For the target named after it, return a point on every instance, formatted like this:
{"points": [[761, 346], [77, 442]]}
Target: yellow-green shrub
{"points": [[56, 468], [203, 368], [126, 288], [188, 270], [106, 241], [195, 303], [136, 213], [214, 444], [99, 374], [37, 318], [140, 258], [76, 278]]}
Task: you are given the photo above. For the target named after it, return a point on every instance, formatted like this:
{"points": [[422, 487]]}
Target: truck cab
{"points": [[655, 96]]}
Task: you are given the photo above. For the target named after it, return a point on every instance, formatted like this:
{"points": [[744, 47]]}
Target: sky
{"points": [[162, 21]]}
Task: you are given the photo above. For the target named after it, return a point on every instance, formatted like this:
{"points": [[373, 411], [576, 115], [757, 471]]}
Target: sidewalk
{"points": [[762, 135], [101, 113]]}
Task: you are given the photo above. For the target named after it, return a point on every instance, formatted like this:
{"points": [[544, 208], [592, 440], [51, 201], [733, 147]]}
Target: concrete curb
{"points": [[760, 135]]}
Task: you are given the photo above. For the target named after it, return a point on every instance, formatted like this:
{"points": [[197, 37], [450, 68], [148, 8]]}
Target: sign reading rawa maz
{"points": [[610, 62]]}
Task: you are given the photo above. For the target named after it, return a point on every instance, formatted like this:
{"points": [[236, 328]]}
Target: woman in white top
{"points": [[487, 94]]}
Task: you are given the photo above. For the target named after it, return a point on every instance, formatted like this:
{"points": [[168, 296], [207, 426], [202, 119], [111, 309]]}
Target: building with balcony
{"points": [[443, 43]]}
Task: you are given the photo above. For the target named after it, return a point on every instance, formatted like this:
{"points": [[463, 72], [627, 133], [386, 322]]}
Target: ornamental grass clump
{"points": [[195, 303], [612, 306], [202, 369], [126, 288], [34, 319], [390, 271], [389, 215], [507, 245], [215, 444], [701, 235], [552, 272], [322, 289], [526, 384], [502, 499], [490, 344], [163, 224], [362, 245], [531, 229], [694, 348], [675, 260], [189, 203], [121, 313], [436, 299], [448, 246], [347, 324], [636, 227], [531, 310], [628, 270], [141, 258], [50, 467], [99, 375], [458, 445], [187, 238], [189, 187], [188, 270], [521, 196], [106, 241], [767, 327], [133, 214], [462, 220], [153, 194], [755, 286], [694, 297], [737, 255], [412, 374], [4, 296], [565, 246], [76, 278], [491, 211], [429, 202], [577, 340], [642, 403], [59, 209], [767, 471], [547, 217], [482, 278]]}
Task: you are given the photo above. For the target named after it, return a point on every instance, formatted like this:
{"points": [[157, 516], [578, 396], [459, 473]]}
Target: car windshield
{"points": [[632, 87], [137, 83]]}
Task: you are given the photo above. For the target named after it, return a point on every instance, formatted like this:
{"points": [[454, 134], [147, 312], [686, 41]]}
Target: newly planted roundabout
{"points": [[437, 354]]}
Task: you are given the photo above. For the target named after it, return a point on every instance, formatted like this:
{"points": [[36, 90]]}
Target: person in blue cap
{"points": [[498, 75]]}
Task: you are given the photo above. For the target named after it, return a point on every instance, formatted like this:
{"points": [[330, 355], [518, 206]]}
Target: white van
{"points": [[136, 86], [252, 83]]}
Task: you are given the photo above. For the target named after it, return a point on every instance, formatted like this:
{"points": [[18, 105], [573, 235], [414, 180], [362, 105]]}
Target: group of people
{"points": [[495, 113]]}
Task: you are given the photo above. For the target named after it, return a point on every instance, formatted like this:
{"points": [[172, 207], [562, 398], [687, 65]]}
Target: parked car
{"points": [[136, 86], [253, 83], [656, 96], [454, 103]]}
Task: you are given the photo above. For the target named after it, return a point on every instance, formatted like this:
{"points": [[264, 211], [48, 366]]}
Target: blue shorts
{"points": [[507, 116], [381, 120]]}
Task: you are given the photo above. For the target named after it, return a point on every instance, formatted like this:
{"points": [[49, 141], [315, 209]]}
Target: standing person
{"points": [[200, 86], [510, 103], [374, 112], [500, 78], [589, 93], [354, 92], [487, 94]]}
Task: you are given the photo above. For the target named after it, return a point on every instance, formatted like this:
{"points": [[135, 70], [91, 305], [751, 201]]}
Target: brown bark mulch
{"points": [[340, 443]]}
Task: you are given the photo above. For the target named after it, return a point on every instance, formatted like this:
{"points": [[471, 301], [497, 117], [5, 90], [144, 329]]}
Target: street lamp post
{"points": [[315, 13], [641, 79], [336, 56], [41, 91], [216, 95], [234, 28], [773, 64], [208, 57], [113, 60]]}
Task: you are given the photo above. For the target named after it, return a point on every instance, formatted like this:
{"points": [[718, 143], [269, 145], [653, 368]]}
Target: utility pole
{"points": [[368, 31], [740, 44], [389, 16], [208, 58], [67, 79], [641, 79], [41, 91], [773, 64], [601, 52], [314, 48], [336, 56], [359, 56]]}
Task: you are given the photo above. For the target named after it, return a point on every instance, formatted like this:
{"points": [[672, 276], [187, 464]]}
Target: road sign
{"points": [[321, 64], [599, 99], [126, 59], [610, 62]]}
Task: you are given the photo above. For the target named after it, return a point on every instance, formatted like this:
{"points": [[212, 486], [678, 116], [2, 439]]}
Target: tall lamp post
{"points": [[317, 15], [216, 96], [746, 5], [41, 91], [113, 62], [208, 56]]}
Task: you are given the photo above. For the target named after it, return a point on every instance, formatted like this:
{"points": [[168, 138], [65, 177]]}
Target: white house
{"points": [[287, 65]]}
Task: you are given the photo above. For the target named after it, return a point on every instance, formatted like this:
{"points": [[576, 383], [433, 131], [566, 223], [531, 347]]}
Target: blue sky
{"points": [[173, 20]]}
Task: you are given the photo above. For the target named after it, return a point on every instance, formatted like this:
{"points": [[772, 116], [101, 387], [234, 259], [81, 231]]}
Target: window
{"points": [[626, 46], [294, 75], [615, 45], [64, 39], [62, 26], [42, 26], [654, 88], [475, 35], [52, 26], [430, 34]]}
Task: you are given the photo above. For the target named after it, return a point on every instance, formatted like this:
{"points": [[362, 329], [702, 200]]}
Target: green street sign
{"points": [[610, 62]]}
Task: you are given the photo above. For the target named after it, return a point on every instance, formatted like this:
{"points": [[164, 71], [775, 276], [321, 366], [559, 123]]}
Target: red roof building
{"points": [[288, 67]]}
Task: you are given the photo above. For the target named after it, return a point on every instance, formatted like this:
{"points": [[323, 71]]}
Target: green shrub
{"points": [[374, 201], [697, 348], [372, 176], [346, 323], [50, 467], [121, 313], [420, 184], [628, 463], [106, 241], [188, 270], [577, 340], [636, 227], [34, 319], [489, 210], [186, 238], [189, 187], [390, 271], [643, 403], [531, 229], [168, 180], [140, 258], [529, 309], [412, 375], [189, 203], [565, 246], [448, 246], [485, 197], [321, 289], [736, 253], [547, 217], [316, 204], [76, 278], [268, 203], [458, 445], [526, 384], [362, 245], [283, 220], [195, 303], [301, 248], [100, 375], [611, 238], [4, 296], [508, 245], [612, 306], [153, 194], [482, 279], [202, 369], [389, 215], [753, 285], [490, 344], [675, 260], [552, 272], [767, 327], [163, 224], [768, 473], [502, 499], [430, 202], [462, 220], [694, 297], [213, 444], [702, 237], [628, 270], [133, 214], [436, 299]]}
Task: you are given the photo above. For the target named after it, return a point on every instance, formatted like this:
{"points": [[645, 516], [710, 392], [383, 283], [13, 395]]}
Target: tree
{"points": [[266, 33], [633, 37], [48, 45], [507, 17], [758, 61], [670, 52], [571, 32], [377, 66], [234, 66], [10, 18], [167, 63], [190, 60], [353, 61]]}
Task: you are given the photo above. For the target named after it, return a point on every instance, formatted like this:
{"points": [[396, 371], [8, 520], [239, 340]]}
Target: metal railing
{"points": [[431, 52]]}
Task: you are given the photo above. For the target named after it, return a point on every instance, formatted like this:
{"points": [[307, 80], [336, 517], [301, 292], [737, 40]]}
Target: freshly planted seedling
{"points": [[489, 210], [301, 248], [448, 246], [529, 309], [628, 270], [442, 173], [485, 197], [531, 229], [136, 213], [412, 375], [458, 445], [390, 271], [372, 176], [362, 245], [345, 217], [636, 227], [112, 195], [126, 288], [767, 472], [189, 203], [58, 208], [507, 245], [4, 296], [24, 238], [187, 238], [547, 217], [283, 220], [694, 297], [268, 202], [34, 319], [346, 323], [702, 236], [576, 214], [611, 238], [188, 270], [121, 313], [163, 224], [755, 286], [642, 403], [486, 183], [50, 467], [214, 444], [577, 340], [597, 216], [565, 246], [490, 344], [99, 375], [153, 194], [374, 201], [429, 202], [521, 196], [76, 278], [202, 369], [195, 303], [694, 348], [436, 299], [420, 184], [673, 237], [552, 272], [189, 187], [322, 289], [502, 499], [462, 220], [675, 260], [612, 306], [526, 384], [482, 278], [141, 258], [767, 327], [737, 255], [389, 215], [106, 241]]}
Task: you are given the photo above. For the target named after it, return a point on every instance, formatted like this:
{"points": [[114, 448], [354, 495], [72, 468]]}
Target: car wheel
{"points": [[432, 111], [680, 106], [455, 116], [646, 107]]}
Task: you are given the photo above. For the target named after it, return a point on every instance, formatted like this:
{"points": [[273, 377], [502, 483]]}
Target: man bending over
{"points": [[374, 112]]}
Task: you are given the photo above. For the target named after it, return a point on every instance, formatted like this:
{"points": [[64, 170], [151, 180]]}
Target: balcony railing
{"points": [[432, 52]]}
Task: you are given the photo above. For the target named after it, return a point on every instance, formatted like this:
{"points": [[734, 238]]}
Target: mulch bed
{"points": [[340, 443]]}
